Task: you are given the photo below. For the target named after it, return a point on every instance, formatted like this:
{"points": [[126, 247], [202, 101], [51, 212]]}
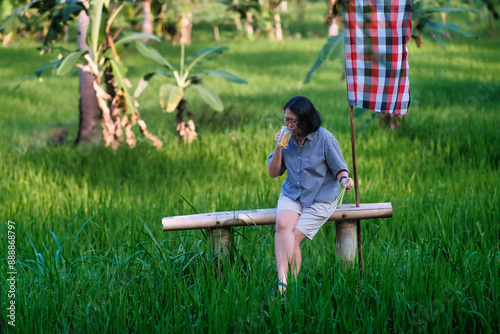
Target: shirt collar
{"points": [[311, 135]]}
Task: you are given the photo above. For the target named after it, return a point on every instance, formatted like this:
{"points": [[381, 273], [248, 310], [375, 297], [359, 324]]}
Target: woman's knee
{"points": [[282, 225], [286, 221]]}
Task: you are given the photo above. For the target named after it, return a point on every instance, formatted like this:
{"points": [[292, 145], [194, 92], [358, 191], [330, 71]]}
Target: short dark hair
{"points": [[309, 118]]}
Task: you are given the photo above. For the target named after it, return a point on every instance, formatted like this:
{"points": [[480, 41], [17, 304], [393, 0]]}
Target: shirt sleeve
{"points": [[283, 167], [333, 156]]}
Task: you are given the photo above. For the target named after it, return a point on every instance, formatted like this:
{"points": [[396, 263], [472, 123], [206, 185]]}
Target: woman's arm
{"points": [[274, 166]]}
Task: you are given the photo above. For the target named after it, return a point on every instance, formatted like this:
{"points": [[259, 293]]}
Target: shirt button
{"points": [[297, 170]]}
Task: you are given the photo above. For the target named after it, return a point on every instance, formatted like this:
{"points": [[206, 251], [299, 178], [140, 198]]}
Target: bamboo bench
{"points": [[219, 224]]}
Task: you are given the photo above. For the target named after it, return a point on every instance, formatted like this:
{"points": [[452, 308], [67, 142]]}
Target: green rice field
{"points": [[91, 256]]}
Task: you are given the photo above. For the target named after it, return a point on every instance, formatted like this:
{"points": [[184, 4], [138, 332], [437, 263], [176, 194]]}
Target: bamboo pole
{"points": [[268, 217], [356, 190]]}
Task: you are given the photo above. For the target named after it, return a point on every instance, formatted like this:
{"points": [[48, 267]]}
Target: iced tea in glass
{"points": [[285, 136]]}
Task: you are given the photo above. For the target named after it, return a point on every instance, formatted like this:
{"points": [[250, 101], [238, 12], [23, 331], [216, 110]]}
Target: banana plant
{"points": [[100, 61], [423, 22], [118, 106], [172, 93]]}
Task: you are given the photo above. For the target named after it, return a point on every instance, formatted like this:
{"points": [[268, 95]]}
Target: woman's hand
{"points": [[347, 183], [277, 136]]}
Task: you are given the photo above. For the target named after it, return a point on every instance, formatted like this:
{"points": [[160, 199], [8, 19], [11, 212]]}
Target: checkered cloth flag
{"points": [[375, 35]]}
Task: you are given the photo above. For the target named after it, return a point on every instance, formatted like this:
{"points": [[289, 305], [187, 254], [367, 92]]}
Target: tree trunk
{"points": [[389, 120], [492, 19], [248, 23], [88, 130], [284, 6], [66, 34], [443, 20], [147, 18], [217, 33], [279, 31], [302, 11], [333, 19], [186, 25], [7, 38], [333, 28], [237, 22]]}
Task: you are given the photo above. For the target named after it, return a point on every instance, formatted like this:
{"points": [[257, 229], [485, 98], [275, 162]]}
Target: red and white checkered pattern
{"points": [[376, 33]]}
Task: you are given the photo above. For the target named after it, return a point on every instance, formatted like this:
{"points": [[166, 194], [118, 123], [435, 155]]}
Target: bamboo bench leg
{"points": [[345, 242], [221, 240]]}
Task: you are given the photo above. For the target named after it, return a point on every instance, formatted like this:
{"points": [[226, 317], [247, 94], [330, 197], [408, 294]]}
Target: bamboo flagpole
{"points": [[356, 191], [376, 67]]}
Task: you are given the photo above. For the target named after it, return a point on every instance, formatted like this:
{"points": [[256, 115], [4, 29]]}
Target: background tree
{"points": [[276, 30], [423, 24], [492, 8], [24, 18], [244, 10], [174, 19], [213, 14], [103, 81]]}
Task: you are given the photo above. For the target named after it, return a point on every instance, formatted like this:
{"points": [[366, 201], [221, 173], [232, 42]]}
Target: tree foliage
{"points": [[118, 107], [424, 23]]}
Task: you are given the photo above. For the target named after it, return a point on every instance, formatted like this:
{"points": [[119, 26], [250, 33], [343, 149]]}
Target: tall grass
{"points": [[92, 256]]}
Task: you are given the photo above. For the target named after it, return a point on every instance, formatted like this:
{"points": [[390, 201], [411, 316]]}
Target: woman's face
{"points": [[292, 122]]}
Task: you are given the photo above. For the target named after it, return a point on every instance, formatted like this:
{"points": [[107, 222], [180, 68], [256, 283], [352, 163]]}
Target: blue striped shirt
{"points": [[312, 169]]}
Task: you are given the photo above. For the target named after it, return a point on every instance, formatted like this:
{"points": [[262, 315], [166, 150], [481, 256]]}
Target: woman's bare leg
{"points": [[284, 242], [296, 259]]}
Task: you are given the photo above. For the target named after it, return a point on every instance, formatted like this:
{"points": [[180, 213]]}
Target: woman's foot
{"points": [[281, 287]]}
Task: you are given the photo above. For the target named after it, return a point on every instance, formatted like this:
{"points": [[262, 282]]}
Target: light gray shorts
{"points": [[310, 218]]}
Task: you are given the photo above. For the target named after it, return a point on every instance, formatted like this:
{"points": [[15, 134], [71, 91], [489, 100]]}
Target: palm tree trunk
{"points": [[217, 33], [279, 31], [248, 24], [7, 38], [186, 26], [147, 18], [443, 20], [333, 27], [333, 19], [284, 6], [88, 130], [237, 21]]}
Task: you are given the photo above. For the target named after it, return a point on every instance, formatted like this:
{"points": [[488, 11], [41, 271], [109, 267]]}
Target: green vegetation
{"points": [[183, 78], [92, 256]]}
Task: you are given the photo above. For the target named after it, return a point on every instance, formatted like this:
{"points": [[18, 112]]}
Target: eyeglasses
{"points": [[290, 121]]}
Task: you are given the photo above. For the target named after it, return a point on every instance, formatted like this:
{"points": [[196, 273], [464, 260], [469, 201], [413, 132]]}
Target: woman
{"points": [[315, 167]]}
